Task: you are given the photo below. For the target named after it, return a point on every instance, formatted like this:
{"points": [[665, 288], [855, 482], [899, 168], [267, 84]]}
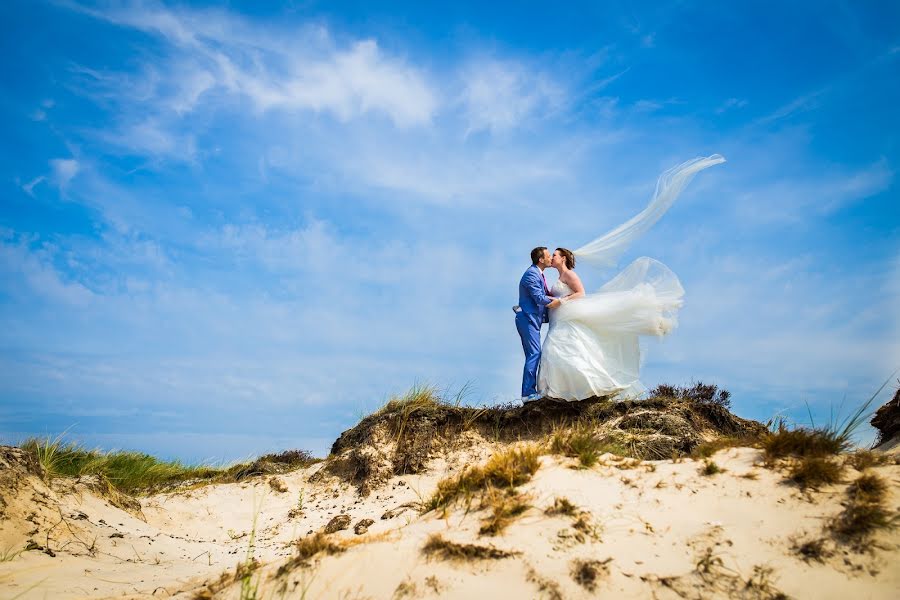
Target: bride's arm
{"points": [[574, 282]]}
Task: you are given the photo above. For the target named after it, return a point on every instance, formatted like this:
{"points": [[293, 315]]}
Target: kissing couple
{"points": [[592, 349]]}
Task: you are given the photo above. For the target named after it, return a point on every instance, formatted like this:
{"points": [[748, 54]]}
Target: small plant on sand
{"points": [[784, 442], [815, 471], [503, 508], [439, 547], [561, 506], [587, 573], [504, 470], [864, 459], [710, 468], [582, 442], [10, 554], [245, 570], [866, 511], [308, 547], [814, 549]]}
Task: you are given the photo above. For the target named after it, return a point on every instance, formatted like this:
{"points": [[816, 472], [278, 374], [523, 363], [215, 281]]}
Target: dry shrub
{"points": [[814, 549], [308, 547], [866, 511], [699, 393], [587, 573], [864, 459], [868, 487], [561, 506], [814, 471], [802, 443], [710, 468], [504, 470], [503, 510], [441, 548]]}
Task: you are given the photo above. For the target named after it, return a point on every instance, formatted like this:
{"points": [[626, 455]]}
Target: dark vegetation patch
{"points": [[710, 468], [802, 443], [588, 573], [815, 471], [561, 506], [439, 547], [865, 512]]}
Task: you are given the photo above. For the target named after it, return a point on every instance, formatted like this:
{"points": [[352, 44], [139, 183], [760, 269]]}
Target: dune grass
{"points": [[583, 443], [136, 472], [866, 511], [440, 547], [504, 509], [815, 471], [504, 471]]}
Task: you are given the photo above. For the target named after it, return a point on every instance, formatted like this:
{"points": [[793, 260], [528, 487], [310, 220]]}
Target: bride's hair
{"points": [[568, 255]]}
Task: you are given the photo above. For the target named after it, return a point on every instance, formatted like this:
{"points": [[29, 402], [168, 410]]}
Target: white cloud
{"points": [[63, 170], [504, 94], [276, 69]]}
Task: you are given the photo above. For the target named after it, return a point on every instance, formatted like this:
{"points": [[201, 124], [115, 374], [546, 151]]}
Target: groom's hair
{"points": [[537, 254]]}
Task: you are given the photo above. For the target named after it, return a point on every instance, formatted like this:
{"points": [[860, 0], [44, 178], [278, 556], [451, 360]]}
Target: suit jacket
{"points": [[533, 293]]}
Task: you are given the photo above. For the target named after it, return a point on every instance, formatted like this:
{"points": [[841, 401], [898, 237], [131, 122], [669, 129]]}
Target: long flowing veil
{"points": [[605, 251]]}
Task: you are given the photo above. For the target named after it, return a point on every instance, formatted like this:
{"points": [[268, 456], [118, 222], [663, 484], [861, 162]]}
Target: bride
{"points": [[591, 349]]}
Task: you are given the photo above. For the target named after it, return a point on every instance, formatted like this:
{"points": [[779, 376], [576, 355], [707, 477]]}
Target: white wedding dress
{"points": [[591, 348]]}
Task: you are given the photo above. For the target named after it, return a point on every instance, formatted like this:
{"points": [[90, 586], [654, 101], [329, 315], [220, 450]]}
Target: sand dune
{"points": [[629, 529]]}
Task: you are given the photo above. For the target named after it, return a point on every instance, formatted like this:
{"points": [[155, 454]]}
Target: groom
{"points": [[534, 300]]}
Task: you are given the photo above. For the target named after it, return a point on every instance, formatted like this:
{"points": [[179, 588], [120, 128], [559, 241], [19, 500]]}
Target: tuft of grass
{"points": [[864, 459], [699, 393], [308, 547], [866, 511], [868, 487], [815, 471], [504, 470], [504, 510], [582, 442], [710, 468], [859, 520], [441, 548], [561, 506], [803, 443], [814, 549], [587, 573], [420, 397]]}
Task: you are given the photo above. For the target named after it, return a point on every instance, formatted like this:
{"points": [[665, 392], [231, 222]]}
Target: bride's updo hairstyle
{"points": [[569, 256]]}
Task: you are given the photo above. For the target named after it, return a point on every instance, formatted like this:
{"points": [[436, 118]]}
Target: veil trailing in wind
{"points": [[606, 250], [592, 349]]}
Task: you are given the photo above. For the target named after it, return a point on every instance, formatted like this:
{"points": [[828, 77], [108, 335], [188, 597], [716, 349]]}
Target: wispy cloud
{"points": [[502, 94]]}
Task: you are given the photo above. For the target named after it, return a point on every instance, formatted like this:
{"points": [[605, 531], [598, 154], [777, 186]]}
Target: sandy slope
{"points": [[653, 522]]}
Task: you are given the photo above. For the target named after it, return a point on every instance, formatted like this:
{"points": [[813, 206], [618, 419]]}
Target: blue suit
{"points": [[533, 298]]}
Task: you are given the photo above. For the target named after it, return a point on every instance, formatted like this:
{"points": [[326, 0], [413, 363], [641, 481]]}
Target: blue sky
{"points": [[228, 230]]}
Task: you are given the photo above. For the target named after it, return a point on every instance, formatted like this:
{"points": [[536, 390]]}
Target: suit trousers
{"points": [[529, 328]]}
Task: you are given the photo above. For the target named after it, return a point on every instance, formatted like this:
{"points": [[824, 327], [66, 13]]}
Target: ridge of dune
{"points": [[634, 528]]}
